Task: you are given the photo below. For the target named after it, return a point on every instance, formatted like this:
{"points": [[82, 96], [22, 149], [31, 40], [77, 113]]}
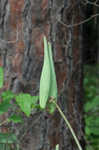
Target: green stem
{"points": [[68, 124]]}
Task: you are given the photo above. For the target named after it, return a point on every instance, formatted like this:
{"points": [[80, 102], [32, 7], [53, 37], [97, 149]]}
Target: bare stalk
{"points": [[68, 124]]}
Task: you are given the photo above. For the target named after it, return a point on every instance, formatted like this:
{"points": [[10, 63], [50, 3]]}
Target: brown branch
{"points": [[77, 24], [92, 3]]}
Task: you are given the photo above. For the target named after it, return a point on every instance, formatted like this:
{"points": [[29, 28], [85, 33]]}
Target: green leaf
{"points": [[4, 106], [7, 95], [34, 103], [7, 138], [15, 118], [1, 77], [92, 121], [53, 87], [86, 81], [48, 84], [45, 80], [2, 146], [91, 105], [87, 130], [35, 99], [94, 131], [25, 102], [5, 146]]}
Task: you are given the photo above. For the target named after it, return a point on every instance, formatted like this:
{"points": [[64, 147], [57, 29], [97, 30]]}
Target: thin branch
{"points": [[96, 1], [92, 3], [85, 2], [77, 24]]}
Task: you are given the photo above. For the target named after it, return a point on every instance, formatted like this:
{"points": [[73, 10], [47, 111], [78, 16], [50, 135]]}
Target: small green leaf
{"points": [[1, 77], [7, 138], [4, 106], [7, 95], [94, 131], [25, 102], [15, 119], [91, 105]]}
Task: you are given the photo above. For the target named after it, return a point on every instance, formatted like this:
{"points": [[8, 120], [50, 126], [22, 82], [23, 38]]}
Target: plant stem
{"points": [[68, 124]]}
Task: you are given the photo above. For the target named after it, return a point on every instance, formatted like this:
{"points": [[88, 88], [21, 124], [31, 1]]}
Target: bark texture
{"points": [[23, 24]]}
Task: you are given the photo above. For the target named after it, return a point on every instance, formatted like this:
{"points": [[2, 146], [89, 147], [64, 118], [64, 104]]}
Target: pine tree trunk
{"points": [[97, 31], [23, 24]]}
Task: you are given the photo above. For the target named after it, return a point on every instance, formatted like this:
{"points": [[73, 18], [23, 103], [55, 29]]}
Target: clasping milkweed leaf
{"points": [[1, 77], [48, 85], [45, 79], [53, 87], [57, 147]]}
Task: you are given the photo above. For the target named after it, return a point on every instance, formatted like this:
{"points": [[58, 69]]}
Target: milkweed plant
{"points": [[47, 97]]}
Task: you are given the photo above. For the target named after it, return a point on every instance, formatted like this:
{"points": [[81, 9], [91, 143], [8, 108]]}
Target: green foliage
{"points": [[8, 147], [15, 118], [25, 101], [7, 138], [4, 106], [91, 107], [48, 85], [7, 95]]}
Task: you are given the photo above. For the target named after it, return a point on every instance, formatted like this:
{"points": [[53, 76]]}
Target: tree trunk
{"points": [[23, 24], [97, 31]]}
